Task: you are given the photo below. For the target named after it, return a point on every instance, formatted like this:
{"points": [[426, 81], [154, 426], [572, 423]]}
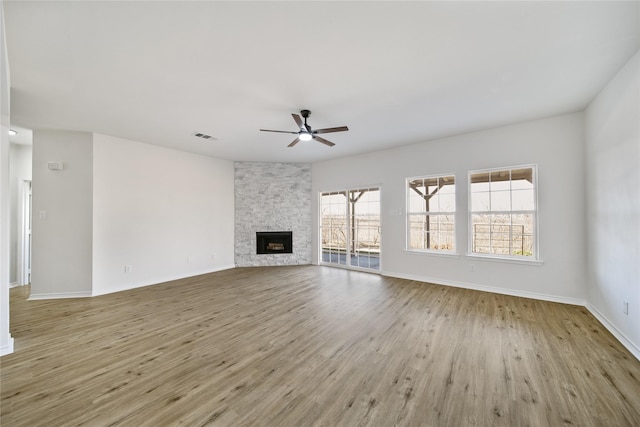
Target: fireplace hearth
{"points": [[274, 242]]}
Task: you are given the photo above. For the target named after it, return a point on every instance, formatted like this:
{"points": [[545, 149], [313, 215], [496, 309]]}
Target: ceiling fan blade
{"points": [[329, 130], [298, 120], [295, 141], [324, 141], [279, 131]]}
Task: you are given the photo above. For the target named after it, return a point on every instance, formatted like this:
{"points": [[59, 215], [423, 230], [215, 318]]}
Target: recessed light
{"points": [[12, 132]]}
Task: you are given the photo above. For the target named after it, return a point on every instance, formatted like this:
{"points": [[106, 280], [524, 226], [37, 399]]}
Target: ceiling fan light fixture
{"points": [[305, 136], [306, 133]]}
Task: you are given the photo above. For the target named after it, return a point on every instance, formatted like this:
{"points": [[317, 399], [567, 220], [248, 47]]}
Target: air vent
{"points": [[204, 136]]}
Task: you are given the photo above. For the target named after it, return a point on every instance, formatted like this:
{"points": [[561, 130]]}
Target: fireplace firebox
{"points": [[274, 242]]}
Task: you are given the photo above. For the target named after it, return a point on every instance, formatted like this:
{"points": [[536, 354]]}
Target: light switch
{"points": [[43, 214]]}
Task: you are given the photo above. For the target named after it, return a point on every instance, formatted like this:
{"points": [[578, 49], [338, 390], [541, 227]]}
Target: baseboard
{"points": [[157, 281], [62, 295], [492, 289], [634, 349], [7, 349]]}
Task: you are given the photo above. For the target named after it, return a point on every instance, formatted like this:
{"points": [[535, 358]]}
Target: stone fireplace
{"points": [[271, 198]]}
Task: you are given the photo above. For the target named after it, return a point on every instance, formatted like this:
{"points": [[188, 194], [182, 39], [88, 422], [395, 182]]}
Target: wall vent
{"points": [[204, 136]]}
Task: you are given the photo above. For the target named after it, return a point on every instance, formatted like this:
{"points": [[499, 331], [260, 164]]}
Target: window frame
{"points": [[409, 213], [535, 257]]}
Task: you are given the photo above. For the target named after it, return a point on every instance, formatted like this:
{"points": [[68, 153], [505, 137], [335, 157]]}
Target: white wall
{"points": [[554, 144], [20, 170], [168, 214], [613, 204], [6, 341], [61, 249]]}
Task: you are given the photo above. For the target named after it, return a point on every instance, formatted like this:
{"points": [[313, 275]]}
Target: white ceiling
{"points": [[394, 72]]}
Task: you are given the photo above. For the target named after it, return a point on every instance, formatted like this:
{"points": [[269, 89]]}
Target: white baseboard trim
{"points": [[62, 295], [634, 349], [492, 289], [7, 349], [158, 281]]}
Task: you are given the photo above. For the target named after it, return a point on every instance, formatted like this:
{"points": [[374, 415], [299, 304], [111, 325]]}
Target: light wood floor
{"points": [[308, 345]]}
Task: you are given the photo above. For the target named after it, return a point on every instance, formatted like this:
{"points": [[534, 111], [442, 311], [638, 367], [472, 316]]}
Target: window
{"points": [[431, 208], [503, 212], [350, 228]]}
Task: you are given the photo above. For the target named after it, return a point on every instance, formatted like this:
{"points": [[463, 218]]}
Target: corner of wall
{"points": [[612, 159], [6, 341]]}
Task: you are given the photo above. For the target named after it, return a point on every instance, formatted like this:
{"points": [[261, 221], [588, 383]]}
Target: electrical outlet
{"points": [[127, 268], [625, 307], [472, 267]]}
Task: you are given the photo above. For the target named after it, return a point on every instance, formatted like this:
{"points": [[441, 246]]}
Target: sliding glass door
{"points": [[350, 228]]}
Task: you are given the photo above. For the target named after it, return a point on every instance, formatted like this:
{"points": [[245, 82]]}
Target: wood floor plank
{"points": [[309, 345]]}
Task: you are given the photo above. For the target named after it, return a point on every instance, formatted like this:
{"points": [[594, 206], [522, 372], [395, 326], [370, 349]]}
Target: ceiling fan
{"points": [[306, 133]]}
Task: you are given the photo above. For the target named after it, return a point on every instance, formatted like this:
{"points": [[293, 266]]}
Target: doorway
{"points": [[350, 228]]}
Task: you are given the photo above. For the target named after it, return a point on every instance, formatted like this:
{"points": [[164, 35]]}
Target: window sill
{"points": [[523, 261], [432, 253]]}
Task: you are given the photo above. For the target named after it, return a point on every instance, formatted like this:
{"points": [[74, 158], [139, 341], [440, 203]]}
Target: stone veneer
{"points": [[272, 197]]}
